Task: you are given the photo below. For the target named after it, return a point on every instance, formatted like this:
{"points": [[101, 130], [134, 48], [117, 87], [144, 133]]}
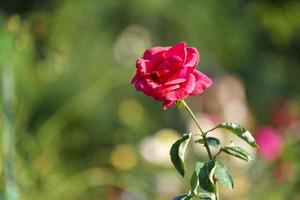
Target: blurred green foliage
{"points": [[73, 103]]}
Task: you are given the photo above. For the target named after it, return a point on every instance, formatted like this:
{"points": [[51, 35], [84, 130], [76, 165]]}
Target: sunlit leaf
{"points": [[183, 197], [206, 196], [237, 152], [223, 175], [214, 142], [177, 153], [239, 131], [195, 177], [206, 176]]}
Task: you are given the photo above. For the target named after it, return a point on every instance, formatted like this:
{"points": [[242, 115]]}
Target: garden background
{"points": [[73, 127]]}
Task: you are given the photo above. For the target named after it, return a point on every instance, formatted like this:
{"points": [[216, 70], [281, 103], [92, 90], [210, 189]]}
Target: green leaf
{"points": [[206, 196], [183, 197], [194, 182], [180, 197], [223, 175], [206, 176], [201, 196], [237, 152], [214, 142], [177, 153], [195, 177], [188, 197], [239, 131]]}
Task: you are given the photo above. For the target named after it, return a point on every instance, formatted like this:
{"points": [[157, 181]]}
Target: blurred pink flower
{"points": [[270, 143]]}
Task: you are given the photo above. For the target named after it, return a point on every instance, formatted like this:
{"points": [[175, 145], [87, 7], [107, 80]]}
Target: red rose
{"points": [[168, 74]]}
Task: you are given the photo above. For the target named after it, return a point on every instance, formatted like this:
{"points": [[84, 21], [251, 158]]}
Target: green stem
{"points": [[217, 191], [215, 156], [211, 130], [203, 134], [198, 125]]}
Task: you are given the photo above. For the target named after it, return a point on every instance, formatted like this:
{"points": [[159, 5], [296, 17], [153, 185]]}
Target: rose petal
{"points": [[171, 96], [192, 59], [170, 88], [134, 79], [189, 85], [202, 82], [177, 95], [147, 86], [184, 72], [181, 94], [154, 54], [167, 104], [173, 61], [175, 81], [163, 71], [144, 67], [178, 50]]}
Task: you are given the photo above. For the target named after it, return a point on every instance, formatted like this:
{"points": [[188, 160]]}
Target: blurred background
{"points": [[73, 127]]}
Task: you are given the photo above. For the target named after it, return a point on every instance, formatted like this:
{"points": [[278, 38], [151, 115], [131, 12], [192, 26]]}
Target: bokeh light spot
{"points": [[131, 112], [123, 157], [155, 149]]}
